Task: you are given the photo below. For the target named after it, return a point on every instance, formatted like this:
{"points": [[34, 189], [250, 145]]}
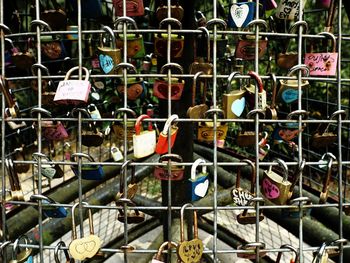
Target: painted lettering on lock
{"points": [[288, 9], [241, 197], [271, 191], [321, 64], [191, 251]]}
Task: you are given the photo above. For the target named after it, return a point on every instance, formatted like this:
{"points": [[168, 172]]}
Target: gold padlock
{"points": [[249, 217], [197, 111], [158, 258], [326, 180], [131, 187], [206, 129], [132, 217], [21, 256]]}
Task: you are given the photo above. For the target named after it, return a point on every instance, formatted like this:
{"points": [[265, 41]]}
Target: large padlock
{"points": [[288, 91], [171, 170], [250, 250], [144, 141], [133, 216], [321, 256], [240, 14], [199, 182], [108, 57], [158, 258], [58, 246], [48, 169], [49, 211], [251, 91], [323, 137], [240, 196], [289, 9], [73, 92], [249, 216], [292, 249], [205, 131], [88, 246], [233, 101], [221, 42], [21, 256], [16, 189], [325, 63], [246, 137], [327, 177], [176, 11], [88, 171], [133, 7], [131, 186], [192, 250], [197, 111], [163, 139]]}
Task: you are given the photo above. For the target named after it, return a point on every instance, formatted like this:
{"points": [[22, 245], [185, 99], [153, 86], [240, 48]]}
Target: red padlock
{"points": [[162, 144], [176, 169]]}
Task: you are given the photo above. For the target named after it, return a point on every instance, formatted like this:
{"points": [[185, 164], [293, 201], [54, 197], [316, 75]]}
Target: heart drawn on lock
{"points": [[201, 189], [237, 107], [190, 251], [271, 191], [290, 95], [239, 14], [106, 63], [86, 247], [163, 89]]}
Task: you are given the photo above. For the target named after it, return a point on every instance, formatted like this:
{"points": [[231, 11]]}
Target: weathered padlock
{"points": [[300, 210], [333, 252], [251, 90], [131, 186], [108, 57], [48, 169], [58, 246], [249, 217], [245, 48], [288, 91], [49, 211], [323, 64], [158, 258], [176, 11], [321, 255], [270, 110], [73, 92], [189, 251], [199, 64], [132, 217], [177, 42], [86, 247], [16, 189], [172, 162], [323, 137], [56, 18], [135, 88], [251, 250], [327, 177], [241, 197], [233, 101], [289, 9], [199, 182], [292, 249], [23, 60], [240, 14], [163, 139], [88, 171], [118, 127], [133, 7], [206, 129], [246, 137], [197, 111], [221, 42], [24, 256], [144, 141]]}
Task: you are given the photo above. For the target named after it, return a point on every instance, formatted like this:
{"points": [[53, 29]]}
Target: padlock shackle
{"points": [[170, 156], [36, 110], [162, 248], [38, 197], [274, 90], [81, 155], [291, 248], [170, 20], [56, 251], [257, 79], [284, 166], [305, 69], [3, 246], [127, 20], [182, 220], [91, 226], [127, 66], [194, 166], [253, 175], [5, 29], [15, 248], [296, 177], [69, 72], [230, 79], [125, 110], [254, 200], [171, 66], [304, 114], [110, 32], [170, 122], [194, 88], [296, 26], [213, 111], [40, 23], [199, 15], [327, 177], [335, 114], [35, 67], [332, 37], [207, 34], [139, 121], [257, 22], [127, 202], [252, 113], [320, 252], [217, 21]]}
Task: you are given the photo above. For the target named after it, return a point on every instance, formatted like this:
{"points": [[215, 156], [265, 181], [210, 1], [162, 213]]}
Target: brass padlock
{"points": [[241, 197], [206, 129], [16, 189], [132, 217], [131, 186], [292, 249], [327, 177], [323, 137], [271, 110], [249, 217], [197, 111], [247, 135], [85, 247], [176, 11], [118, 126], [233, 102], [158, 258], [23, 255], [250, 250], [66, 254], [189, 251]]}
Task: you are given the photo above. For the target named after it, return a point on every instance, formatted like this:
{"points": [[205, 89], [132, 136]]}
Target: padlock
{"points": [[233, 102], [249, 217], [147, 63], [176, 11], [205, 131], [23, 60], [292, 249], [240, 196], [73, 92], [135, 88], [172, 162], [109, 57], [49, 211], [321, 256], [135, 43], [200, 19], [24, 256], [158, 258], [58, 246], [177, 42], [334, 252], [221, 42], [327, 177], [131, 186], [48, 169], [197, 111], [189, 251], [118, 127], [263, 151], [199, 64], [250, 250], [163, 139], [51, 130], [276, 187], [117, 155], [132, 217], [246, 137], [245, 48], [199, 182], [56, 18], [144, 141], [93, 111], [16, 189], [323, 137], [133, 7], [88, 171], [86, 247], [300, 210], [271, 110], [323, 64], [240, 14], [19, 156], [289, 9], [251, 90]]}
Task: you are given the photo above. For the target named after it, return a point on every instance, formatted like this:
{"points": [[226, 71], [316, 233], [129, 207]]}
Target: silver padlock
{"points": [[116, 154]]}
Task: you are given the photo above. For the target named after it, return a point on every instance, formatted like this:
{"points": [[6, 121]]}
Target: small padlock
{"points": [[73, 92], [24, 256], [250, 250], [205, 131], [66, 254], [241, 197], [162, 143], [289, 9], [116, 154], [197, 111], [16, 189], [251, 90], [49, 211], [249, 217], [221, 42], [133, 7], [199, 182], [176, 169], [144, 141], [327, 177], [321, 255], [176, 11], [109, 57], [189, 251], [246, 137], [292, 249], [88, 171], [118, 127], [158, 258], [132, 217], [233, 102], [86, 247], [131, 186], [199, 64], [334, 252], [147, 63], [271, 110], [300, 210], [19, 156], [240, 14], [48, 169]]}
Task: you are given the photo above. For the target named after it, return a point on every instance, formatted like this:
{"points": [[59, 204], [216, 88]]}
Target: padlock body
{"points": [[55, 212], [55, 133], [286, 132], [274, 188], [206, 132], [287, 60], [161, 43], [72, 92], [249, 218], [162, 144], [246, 49], [246, 138], [89, 172], [133, 7], [52, 50], [91, 139], [234, 104], [288, 91], [135, 89], [135, 45], [144, 144], [108, 59], [322, 64], [176, 11], [161, 88], [197, 111], [250, 98], [199, 186], [176, 174], [240, 14], [240, 196], [323, 140], [132, 217], [289, 9], [205, 67]]}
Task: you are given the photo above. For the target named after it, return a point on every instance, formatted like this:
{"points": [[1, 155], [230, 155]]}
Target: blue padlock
{"points": [[50, 211], [88, 171], [240, 14], [199, 183]]}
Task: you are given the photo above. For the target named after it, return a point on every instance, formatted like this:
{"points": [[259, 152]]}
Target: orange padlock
{"points": [[162, 144]]}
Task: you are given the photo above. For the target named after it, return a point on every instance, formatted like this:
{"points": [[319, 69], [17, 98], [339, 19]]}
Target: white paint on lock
{"points": [[239, 14], [201, 189], [237, 107]]}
